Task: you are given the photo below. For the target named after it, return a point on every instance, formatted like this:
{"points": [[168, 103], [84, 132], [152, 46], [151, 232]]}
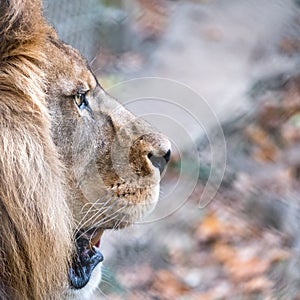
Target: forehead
{"points": [[67, 68]]}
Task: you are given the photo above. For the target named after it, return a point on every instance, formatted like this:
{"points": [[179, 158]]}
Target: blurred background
{"points": [[239, 60]]}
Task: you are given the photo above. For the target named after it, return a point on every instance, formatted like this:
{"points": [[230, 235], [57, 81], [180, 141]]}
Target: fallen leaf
{"points": [[278, 255], [168, 285], [257, 285], [245, 269], [223, 252], [265, 150], [210, 228]]}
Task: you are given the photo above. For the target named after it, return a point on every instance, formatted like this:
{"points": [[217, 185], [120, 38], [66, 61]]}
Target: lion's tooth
{"points": [[96, 237]]}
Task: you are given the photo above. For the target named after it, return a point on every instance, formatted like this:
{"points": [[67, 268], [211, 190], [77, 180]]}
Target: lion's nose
{"points": [[155, 148], [160, 162]]}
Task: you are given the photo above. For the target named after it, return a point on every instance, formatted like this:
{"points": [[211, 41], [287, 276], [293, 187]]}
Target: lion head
{"points": [[73, 162]]}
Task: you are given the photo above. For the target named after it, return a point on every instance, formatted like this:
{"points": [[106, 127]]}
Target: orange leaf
{"points": [[278, 255], [210, 228], [258, 284], [168, 285], [241, 269], [223, 252]]}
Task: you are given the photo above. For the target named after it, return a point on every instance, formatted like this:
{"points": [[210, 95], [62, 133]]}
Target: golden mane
{"points": [[35, 231]]}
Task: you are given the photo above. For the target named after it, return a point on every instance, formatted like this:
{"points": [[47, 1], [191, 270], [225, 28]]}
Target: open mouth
{"points": [[86, 258]]}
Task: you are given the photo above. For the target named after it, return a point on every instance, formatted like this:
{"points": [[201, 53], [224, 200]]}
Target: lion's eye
{"points": [[81, 100]]}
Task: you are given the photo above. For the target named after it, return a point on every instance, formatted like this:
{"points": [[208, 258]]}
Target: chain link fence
{"points": [[91, 25]]}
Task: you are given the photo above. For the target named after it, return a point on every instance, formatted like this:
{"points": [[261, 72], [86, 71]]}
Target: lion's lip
{"points": [[86, 257]]}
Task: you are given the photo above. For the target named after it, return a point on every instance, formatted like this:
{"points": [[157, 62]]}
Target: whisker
{"points": [[111, 217], [101, 292], [87, 212], [104, 220], [98, 202], [94, 58], [82, 222], [104, 206], [120, 222], [94, 216]]}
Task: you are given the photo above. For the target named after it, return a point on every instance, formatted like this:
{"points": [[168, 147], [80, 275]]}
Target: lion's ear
{"points": [[20, 22]]}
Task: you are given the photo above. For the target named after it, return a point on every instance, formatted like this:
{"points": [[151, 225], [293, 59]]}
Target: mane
{"points": [[35, 230]]}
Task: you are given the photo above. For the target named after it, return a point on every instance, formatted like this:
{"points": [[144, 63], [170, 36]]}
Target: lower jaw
{"points": [[87, 292], [86, 258], [84, 263]]}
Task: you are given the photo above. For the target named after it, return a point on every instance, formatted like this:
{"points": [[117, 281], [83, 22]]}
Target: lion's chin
{"points": [[135, 212], [120, 210]]}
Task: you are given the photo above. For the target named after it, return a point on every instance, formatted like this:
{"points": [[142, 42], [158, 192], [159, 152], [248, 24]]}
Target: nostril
{"points": [[168, 156], [160, 162]]}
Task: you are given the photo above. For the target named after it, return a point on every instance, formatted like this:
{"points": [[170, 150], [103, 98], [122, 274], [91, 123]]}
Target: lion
{"points": [[73, 162]]}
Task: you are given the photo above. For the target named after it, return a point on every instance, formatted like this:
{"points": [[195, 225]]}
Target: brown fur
{"points": [[34, 239], [61, 169]]}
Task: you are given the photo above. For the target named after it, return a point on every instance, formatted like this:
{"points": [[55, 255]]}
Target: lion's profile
{"points": [[73, 162]]}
